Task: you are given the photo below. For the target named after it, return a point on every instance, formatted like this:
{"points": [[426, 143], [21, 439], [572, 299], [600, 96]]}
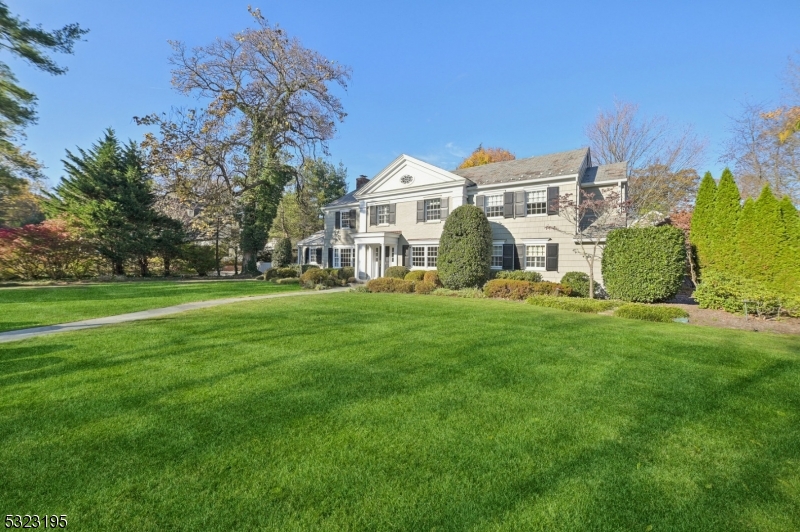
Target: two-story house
{"points": [[396, 218]]}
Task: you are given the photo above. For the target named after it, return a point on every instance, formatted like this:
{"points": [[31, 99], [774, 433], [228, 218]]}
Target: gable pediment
{"points": [[407, 174]]}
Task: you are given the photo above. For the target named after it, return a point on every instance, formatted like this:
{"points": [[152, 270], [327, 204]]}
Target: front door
{"points": [[376, 262]]}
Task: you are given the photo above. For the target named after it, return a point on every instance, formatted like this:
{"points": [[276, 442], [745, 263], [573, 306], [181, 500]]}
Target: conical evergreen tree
{"points": [[788, 275], [699, 233], [727, 206], [109, 195], [761, 236]]}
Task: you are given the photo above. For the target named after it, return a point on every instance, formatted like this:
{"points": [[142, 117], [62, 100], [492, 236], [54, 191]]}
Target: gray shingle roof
{"points": [[554, 164], [317, 239], [344, 200], [605, 172]]}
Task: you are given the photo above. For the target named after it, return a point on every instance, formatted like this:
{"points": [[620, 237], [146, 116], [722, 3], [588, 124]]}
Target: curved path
{"points": [[22, 334]]}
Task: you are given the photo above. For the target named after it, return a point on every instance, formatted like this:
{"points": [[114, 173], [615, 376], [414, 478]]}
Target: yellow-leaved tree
{"points": [[483, 155]]}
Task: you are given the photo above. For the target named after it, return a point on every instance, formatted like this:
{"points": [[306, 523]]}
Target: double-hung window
{"points": [[497, 256], [537, 202], [534, 257], [312, 255], [342, 257], [494, 205], [433, 209], [418, 256], [424, 256], [345, 219], [383, 214], [433, 253]]}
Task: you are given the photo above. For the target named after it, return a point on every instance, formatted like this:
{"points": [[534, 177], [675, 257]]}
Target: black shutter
{"points": [[330, 257], [551, 260], [508, 205], [552, 200], [420, 211], [319, 256], [407, 256], [305, 255], [386, 252], [444, 208], [338, 224], [519, 257], [373, 215], [393, 213], [520, 208], [508, 256], [480, 202], [353, 219]]}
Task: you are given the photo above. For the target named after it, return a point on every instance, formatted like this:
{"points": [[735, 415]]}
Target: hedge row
{"points": [[650, 312], [520, 290], [591, 306], [723, 291]]}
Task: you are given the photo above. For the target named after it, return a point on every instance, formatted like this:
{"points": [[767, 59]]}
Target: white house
{"points": [[396, 218]]}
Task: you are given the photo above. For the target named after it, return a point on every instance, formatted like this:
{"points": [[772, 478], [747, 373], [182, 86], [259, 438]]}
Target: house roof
{"points": [[605, 172], [317, 239], [551, 165], [347, 199]]}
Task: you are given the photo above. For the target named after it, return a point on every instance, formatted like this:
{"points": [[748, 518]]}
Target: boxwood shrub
{"points": [[398, 272], [520, 290], [416, 275], [432, 276], [424, 287], [650, 312], [316, 276], [281, 273], [465, 248], [519, 275], [578, 282], [644, 264], [590, 306], [391, 284], [347, 273]]}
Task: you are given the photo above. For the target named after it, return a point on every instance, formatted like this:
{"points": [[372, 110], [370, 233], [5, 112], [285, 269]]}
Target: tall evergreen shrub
{"points": [[787, 277], [282, 254], [763, 236], [727, 207], [465, 249], [699, 233]]}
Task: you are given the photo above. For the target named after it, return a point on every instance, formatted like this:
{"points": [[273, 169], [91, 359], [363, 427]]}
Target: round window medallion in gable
{"points": [[407, 179]]}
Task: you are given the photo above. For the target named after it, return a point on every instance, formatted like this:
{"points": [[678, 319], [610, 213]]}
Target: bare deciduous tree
{"points": [[592, 217], [662, 158]]}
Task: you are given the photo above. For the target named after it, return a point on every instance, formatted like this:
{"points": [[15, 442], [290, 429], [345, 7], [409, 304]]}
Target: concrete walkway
{"points": [[22, 334]]}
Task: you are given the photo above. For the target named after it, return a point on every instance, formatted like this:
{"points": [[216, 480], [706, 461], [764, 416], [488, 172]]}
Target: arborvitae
{"points": [[727, 206], [701, 219], [788, 275], [761, 238]]}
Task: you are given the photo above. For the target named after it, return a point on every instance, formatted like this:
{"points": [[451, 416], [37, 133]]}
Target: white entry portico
{"points": [[375, 252]]}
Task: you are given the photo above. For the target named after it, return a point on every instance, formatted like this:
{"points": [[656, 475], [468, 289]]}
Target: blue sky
{"points": [[433, 79]]}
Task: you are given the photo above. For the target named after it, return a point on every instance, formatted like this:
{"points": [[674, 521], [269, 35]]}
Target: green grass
{"points": [[21, 308], [400, 412]]}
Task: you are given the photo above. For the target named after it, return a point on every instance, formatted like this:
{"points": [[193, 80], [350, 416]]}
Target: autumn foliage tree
{"points": [[483, 156]]}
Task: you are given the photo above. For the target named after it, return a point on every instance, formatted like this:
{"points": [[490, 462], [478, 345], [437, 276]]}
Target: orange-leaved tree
{"points": [[483, 155]]}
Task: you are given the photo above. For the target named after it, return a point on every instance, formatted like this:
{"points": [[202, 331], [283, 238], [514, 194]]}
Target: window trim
{"points": [[438, 218], [341, 219], [378, 214], [535, 189], [496, 194], [425, 255], [543, 245], [339, 249], [312, 254], [496, 243]]}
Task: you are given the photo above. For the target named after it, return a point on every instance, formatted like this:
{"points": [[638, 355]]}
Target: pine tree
{"points": [[787, 278], [761, 239], [727, 206], [699, 233], [108, 194]]}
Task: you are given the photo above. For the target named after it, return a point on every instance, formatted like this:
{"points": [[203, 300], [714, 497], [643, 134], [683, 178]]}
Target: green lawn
{"points": [[402, 412], [21, 308]]}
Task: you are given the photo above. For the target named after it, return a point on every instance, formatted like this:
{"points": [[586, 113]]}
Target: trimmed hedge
{"points": [[467, 293], [519, 275], [391, 285], [465, 248], [424, 287], [347, 273], [650, 312], [288, 280], [644, 264], [416, 275], [578, 282], [588, 306], [398, 272], [315, 277], [519, 290], [280, 273], [282, 254], [722, 291], [432, 276]]}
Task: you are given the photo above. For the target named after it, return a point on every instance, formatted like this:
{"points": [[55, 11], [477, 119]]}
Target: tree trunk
{"points": [[216, 249], [144, 269], [119, 268], [166, 266]]}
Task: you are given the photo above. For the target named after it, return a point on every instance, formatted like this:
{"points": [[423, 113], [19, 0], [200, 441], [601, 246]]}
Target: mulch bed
{"points": [[720, 318]]}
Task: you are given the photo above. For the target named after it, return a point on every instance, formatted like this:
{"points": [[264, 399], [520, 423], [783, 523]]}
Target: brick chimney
{"points": [[361, 181]]}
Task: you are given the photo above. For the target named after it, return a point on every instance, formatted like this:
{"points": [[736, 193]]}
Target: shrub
{"points": [[305, 267], [280, 273], [432, 276], [361, 289], [347, 273], [650, 312], [199, 258], [315, 277], [351, 280], [728, 292], [519, 290], [465, 248], [416, 275], [397, 272], [578, 282], [424, 287], [391, 284], [644, 264], [591, 306], [519, 275], [288, 280], [282, 254]]}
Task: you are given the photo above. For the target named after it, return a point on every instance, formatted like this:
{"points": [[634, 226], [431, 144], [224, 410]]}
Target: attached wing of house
{"points": [[396, 218]]}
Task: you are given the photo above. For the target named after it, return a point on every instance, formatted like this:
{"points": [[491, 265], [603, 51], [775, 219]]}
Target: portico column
{"points": [[383, 259]]}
